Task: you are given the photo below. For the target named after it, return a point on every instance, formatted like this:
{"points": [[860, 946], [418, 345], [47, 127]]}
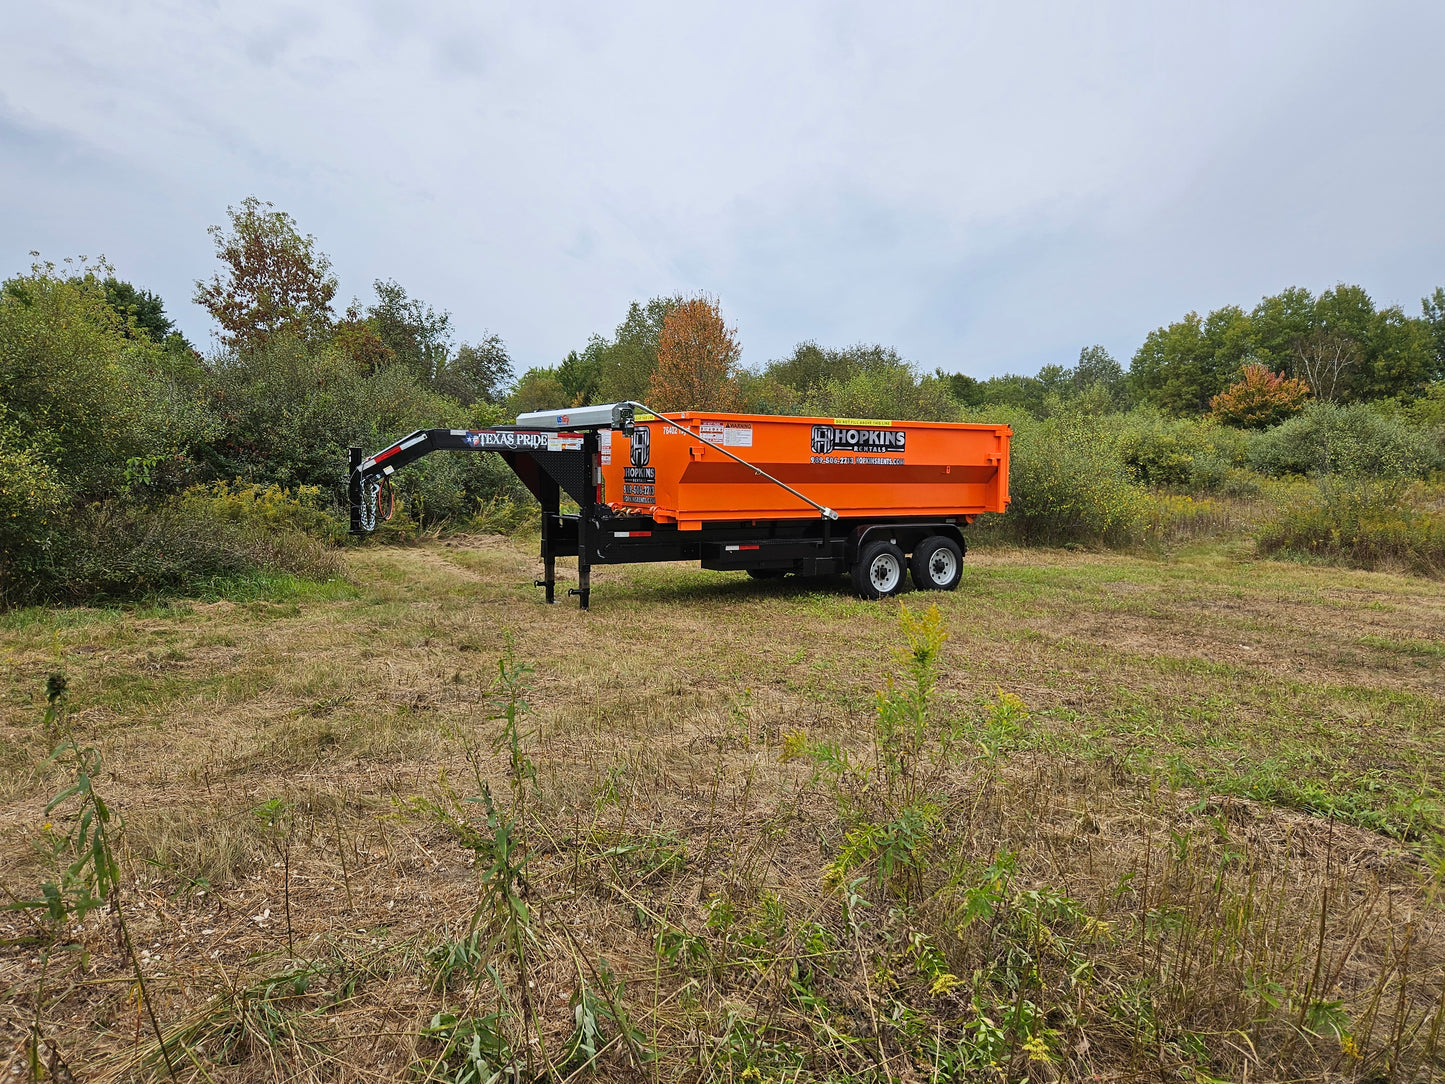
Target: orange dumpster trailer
{"points": [[881, 500]]}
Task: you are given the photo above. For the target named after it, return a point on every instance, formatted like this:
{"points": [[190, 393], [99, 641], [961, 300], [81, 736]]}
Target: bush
{"points": [[1068, 484], [895, 392], [1428, 409], [271, 507], [1177, 452], [1260, 399], [1363, 524], [1356, 441], [31, 496], [112, 552]]}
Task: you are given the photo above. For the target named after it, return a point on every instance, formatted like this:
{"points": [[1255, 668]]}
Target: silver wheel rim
{"points": [[942, 566], [884, 573]]}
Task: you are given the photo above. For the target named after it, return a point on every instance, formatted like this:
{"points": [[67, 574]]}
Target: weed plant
{"points": [[1361, 523]]}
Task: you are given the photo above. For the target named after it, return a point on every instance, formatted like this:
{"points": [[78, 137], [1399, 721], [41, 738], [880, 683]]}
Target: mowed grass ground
{"points": [[1292, 713]]}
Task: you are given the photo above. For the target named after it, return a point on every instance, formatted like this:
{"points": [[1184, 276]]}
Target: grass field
{"points": [[1108, 818]]}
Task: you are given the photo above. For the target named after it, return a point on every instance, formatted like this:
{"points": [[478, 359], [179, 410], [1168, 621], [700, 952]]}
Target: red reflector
{"points": [[750, 547], [388, 453]]}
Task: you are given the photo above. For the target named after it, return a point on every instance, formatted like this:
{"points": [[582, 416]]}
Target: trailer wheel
{"points": [[937, 564], [879, 571]]}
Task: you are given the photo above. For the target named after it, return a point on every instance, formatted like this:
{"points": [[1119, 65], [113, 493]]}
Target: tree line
{"points": [[1337, 347], [103, 400]]}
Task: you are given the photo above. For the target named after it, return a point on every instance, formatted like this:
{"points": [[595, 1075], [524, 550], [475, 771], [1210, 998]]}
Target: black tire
{"points": [[937, 564], [879, 571], [767, 573]]}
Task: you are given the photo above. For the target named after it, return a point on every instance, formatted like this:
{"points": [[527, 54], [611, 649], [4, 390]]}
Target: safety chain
{"points": [[369, 490]]}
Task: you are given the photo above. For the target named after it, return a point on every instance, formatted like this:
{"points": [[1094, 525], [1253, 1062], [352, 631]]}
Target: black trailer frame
{"points": [[551, 463]]}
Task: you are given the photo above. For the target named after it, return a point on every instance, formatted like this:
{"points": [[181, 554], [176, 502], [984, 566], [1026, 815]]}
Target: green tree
{"points": [[1012, 390], [79, 394], [273, 279], [1180, 368], [762, 393], [419, 336], [1433, 313], [808, 366], [143, 316], [1279, 324], [480, 372], [811, 366], [626, 366], [1399, 360], [538, 389], [967, 390], [580, 373], [87, 412], [291, 408], [1097, 368], [143, 311], [893, 394]]}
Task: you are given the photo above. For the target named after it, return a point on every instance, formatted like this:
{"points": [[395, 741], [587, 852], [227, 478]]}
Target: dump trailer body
{"points": [[865, 469], [883, 501]]}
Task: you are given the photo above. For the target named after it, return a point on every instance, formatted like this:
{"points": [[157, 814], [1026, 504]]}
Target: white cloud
{"points": [[986, 186]]}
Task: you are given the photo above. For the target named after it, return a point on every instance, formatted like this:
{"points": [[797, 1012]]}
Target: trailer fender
{"points": [[904, 535]]}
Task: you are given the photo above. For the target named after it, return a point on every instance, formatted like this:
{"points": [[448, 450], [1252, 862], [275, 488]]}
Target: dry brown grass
{"points": [[1206, 930]]}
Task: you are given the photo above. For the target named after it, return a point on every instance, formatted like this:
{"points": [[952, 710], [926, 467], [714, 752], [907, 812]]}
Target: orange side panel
{"points": [[861, 468]]}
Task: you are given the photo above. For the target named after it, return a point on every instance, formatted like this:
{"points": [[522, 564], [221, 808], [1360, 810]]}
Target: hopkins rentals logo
{"points": [[837, 438], [641, 445]]}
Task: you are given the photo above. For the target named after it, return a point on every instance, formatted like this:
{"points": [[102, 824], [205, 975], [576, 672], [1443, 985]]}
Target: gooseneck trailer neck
{"points": [[762, 494]]}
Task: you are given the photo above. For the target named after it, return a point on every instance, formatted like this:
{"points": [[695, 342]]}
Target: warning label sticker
{"points": [[728, 434], [564, 442]]}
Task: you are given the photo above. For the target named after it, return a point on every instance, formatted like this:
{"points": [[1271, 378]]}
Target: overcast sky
{"points": [[986, 187]]}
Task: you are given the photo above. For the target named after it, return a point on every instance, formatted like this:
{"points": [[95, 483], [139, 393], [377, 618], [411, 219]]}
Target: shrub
{"points": [[269, 507], [109, 551], [74, 389], [31, 495], [1177, 452], [1356, 441], [1068, 484], [1362, 524], [291, 409], [884, 391], [1260, 399], [1428, 409]]}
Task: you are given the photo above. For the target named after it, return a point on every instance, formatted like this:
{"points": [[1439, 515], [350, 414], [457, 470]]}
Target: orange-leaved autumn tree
{"points": [[274, 279], [697, 360], [1260, 399]]}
